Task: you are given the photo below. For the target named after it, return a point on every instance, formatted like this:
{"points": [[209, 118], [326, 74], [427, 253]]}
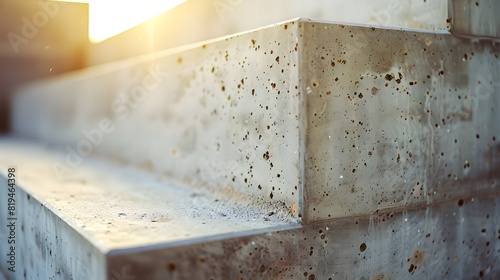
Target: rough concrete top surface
{"points": [[119, 206]]}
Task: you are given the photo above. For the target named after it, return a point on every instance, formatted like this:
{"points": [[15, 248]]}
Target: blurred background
{"points": [[34, 45]]}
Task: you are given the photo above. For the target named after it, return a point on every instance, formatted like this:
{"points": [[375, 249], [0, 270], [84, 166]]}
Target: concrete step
{"points": [[445, 241], [72, 224], [309, 149], [111, 222], [321, 120]]}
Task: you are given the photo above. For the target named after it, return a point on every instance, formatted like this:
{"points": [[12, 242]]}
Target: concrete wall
{"points": [[391, 118]]}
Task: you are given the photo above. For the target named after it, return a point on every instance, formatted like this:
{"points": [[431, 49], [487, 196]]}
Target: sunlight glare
{"points": [[108, 18]]}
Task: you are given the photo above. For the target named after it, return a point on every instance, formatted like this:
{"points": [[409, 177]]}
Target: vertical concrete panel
{"points": [[222, 115], [450, 240], [396, 118], [47, 245]]}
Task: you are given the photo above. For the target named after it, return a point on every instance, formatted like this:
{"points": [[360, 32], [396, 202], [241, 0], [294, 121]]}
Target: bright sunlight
{"points": [[108, 18]]}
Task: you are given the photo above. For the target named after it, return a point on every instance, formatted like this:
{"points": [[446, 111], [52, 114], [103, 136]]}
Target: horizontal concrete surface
{"points": [[455, 240], [320, 120], [97, 226], [72, 223]]}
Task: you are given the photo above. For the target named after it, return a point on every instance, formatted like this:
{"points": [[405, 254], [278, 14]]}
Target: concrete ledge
{"points": [[45, 239], [99, 225], [455, 240], [213, 120], [64, 229], [319, 120]]}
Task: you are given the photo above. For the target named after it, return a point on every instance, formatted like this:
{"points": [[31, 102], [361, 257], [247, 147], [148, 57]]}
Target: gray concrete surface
{"points": [[396, 118], [450, 240], [475, 19], [338, 120], [66, 227], [98, 226], [310, 150]]}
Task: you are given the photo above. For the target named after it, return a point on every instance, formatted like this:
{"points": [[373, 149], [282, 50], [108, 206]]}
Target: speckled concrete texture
{"points": [[66, 227], [222, 115], [351, 119], [396, 118], [446, 241], [309, 149]]}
